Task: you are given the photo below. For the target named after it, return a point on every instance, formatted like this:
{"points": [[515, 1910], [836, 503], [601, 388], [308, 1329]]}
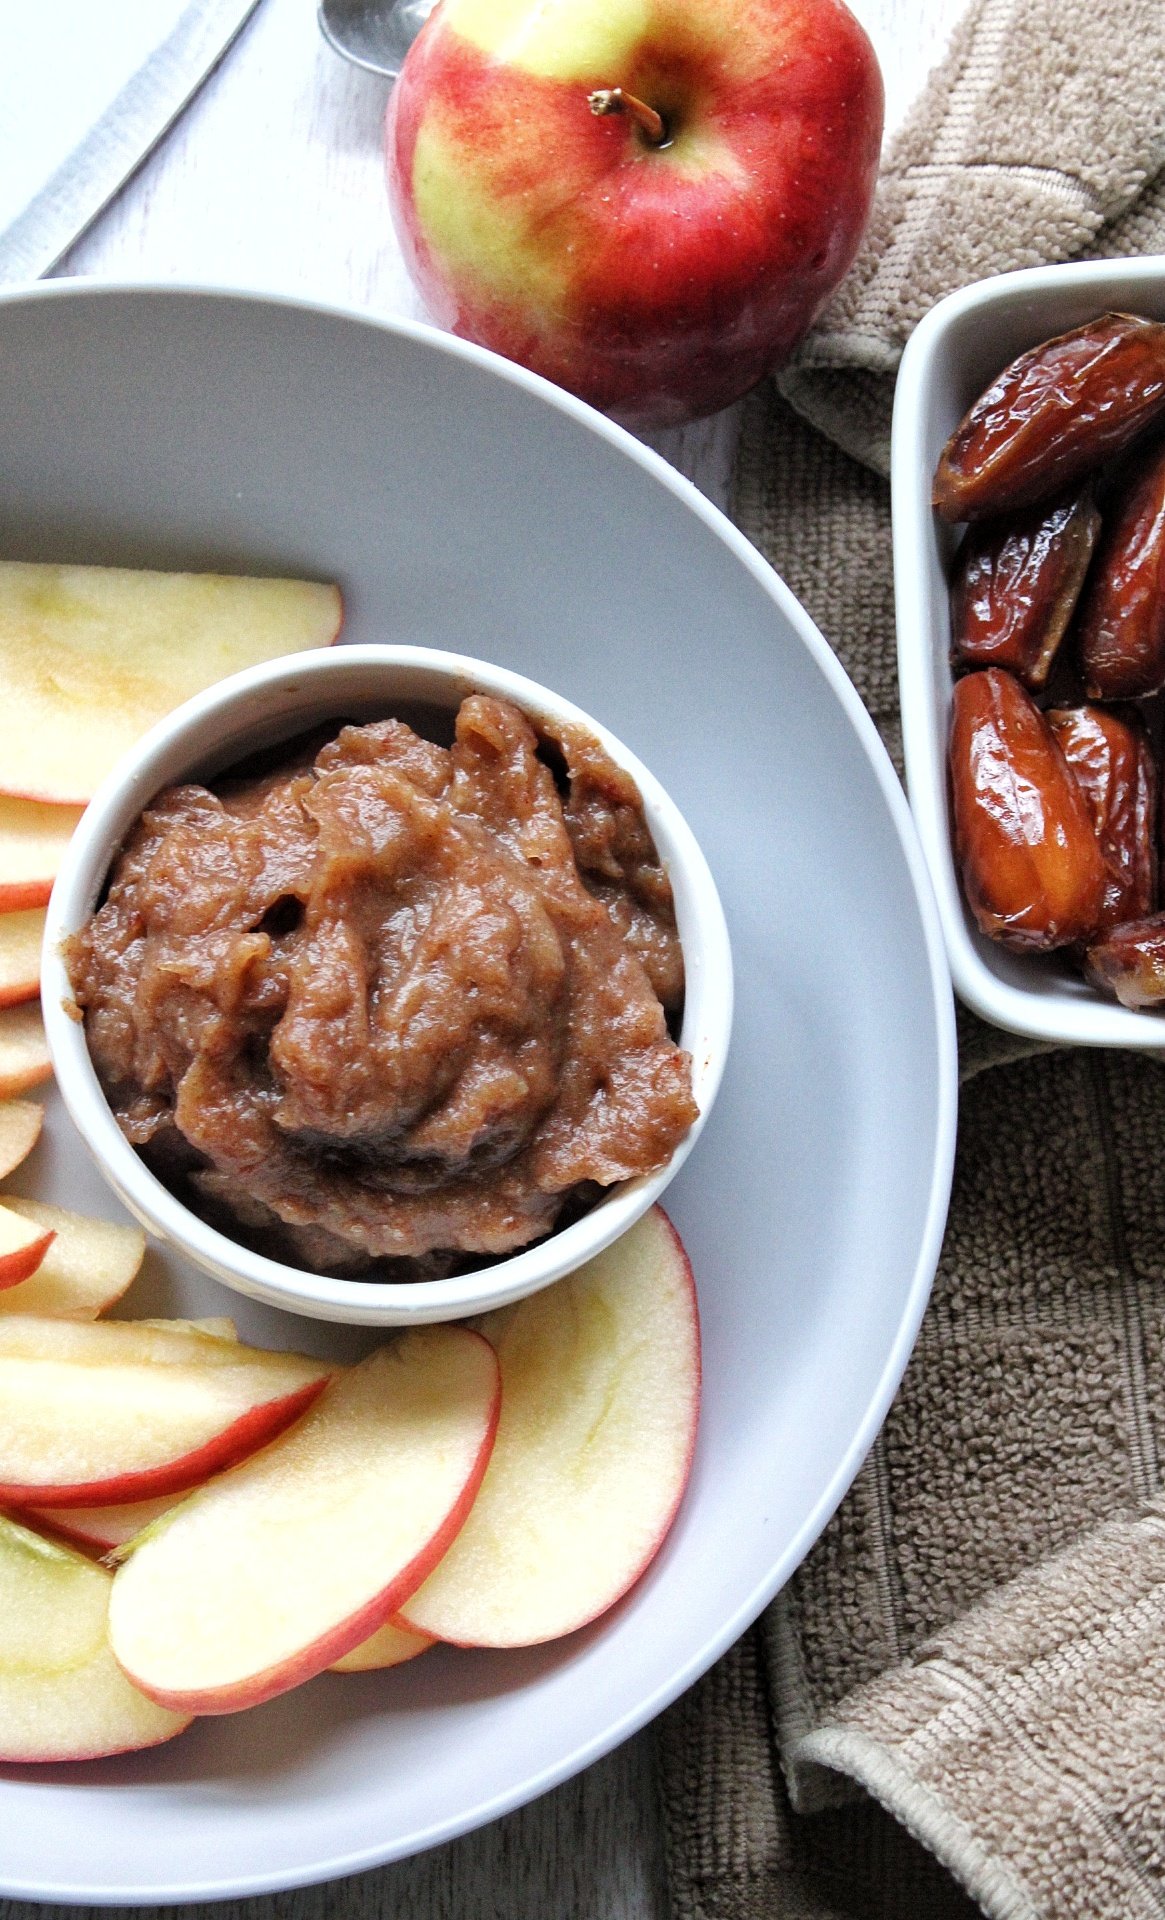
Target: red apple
{"points": [[656, 278]]}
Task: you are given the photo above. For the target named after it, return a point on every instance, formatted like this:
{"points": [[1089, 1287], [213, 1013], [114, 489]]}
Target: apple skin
{"points": [[17, 1263], [657, 284]]}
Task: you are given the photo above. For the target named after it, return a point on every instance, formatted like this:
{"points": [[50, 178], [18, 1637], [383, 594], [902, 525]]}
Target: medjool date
{"points": [[1053, 415], [1122, 615], [1032, 867], [1110, 756], [1016, 584]]}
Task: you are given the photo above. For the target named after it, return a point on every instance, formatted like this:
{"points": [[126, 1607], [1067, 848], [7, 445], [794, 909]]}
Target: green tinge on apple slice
{"points": [[62, 1694]]}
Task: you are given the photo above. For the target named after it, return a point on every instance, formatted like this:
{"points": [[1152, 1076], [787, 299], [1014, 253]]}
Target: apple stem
{"points": [[615, 100]]}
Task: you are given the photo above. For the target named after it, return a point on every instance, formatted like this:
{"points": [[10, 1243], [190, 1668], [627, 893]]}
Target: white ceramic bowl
{"points": [[257, 709], [951, 357], [465, 505]]}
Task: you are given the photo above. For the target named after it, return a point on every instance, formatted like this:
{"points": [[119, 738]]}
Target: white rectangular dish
{"points": [[952, 356]]}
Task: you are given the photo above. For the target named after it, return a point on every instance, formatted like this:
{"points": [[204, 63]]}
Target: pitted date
{"points": [[1016, 584], [1112, 761], [1130, 963], [1032, 867], [1052, 416], [1122, 614]]}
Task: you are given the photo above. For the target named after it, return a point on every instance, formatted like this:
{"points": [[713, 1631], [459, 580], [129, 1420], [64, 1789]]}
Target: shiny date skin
{"points": [[1016, 584], [1052, 416], [1032, 868], [1112, 761], [1130, 963], [1122, 614]]}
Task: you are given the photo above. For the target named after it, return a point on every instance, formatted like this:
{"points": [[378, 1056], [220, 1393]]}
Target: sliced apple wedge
{"points": [[90, 657], [88, 1266], [62, 1694], [390, 1646], [33, 838], [20, 1125], [600, 1399], [24, 1054], [23, 1245], [21, 935], [96, 1413], [100, 1529], [278, 1568]]}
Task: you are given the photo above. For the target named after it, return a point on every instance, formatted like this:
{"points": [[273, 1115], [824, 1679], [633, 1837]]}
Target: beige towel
{"points": [[958, 1705]]}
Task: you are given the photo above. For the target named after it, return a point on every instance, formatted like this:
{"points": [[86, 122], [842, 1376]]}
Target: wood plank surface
{"points": [[273, 179]]}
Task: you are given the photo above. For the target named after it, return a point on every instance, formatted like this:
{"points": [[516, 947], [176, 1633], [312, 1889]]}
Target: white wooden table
{"points": [[273, 178]]}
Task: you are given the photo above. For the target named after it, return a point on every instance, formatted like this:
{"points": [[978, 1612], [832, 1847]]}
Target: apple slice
{"points": [[21, 935], [280, 1567], [390, 1646], [90, 657], [24, 1054], [216, 1324], [88, 1266], [95, 1413], [20, 1125], [33, 838], [101, 1529], [23, 1245], [600, 1399], [62, 1694]]}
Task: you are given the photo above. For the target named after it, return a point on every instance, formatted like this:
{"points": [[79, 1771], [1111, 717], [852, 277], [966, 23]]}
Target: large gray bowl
{"points": [[463, 504]]}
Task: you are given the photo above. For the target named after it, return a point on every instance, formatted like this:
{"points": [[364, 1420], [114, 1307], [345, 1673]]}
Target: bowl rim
{"points": [[175, 747], [1055, 1009], [938, 1008]]}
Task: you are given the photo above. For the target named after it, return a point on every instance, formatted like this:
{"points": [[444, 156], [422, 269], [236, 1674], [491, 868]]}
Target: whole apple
{"points": [[648, 201]]}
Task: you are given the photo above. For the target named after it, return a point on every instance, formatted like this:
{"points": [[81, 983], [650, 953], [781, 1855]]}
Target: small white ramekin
{"points": [[953, 354], [258, 708]]}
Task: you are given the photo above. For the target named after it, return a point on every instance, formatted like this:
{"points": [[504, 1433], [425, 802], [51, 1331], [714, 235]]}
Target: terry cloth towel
{"points": [[958, 1704]]}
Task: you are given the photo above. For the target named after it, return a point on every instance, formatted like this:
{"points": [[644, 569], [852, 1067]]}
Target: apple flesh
{"points": [[91, 657], [20, 1125], [21, 936], [600, 1400], [62, 1694], [103, 1412], [658, 280], [33, 838], [24, 1054], [282, 1566], [23, 1245], [86, 1267], [390, 1646]]}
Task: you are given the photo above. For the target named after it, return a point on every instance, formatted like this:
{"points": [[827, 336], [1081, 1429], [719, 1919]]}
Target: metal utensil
{"points": [[373, 34]]}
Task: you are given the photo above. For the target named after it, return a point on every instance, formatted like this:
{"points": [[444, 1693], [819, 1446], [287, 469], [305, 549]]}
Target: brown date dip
{"points": [[393, 1004]]}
